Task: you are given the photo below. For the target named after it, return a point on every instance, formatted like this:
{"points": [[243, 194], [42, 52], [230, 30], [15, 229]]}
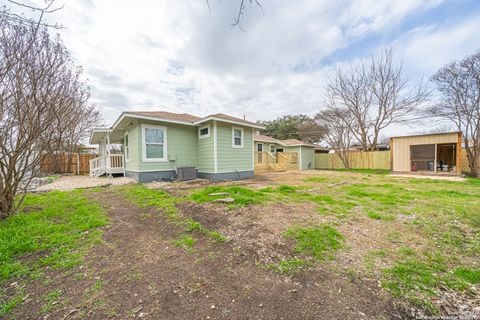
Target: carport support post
{"points": [[108, 152], [459, 152], [435, 163]]}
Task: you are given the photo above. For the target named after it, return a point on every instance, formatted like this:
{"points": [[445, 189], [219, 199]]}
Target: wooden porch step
{"points": [[276, 167]]}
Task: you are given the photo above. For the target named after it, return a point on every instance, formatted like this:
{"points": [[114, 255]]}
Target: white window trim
{"points": [[144, 145], [215, 149], [126, 147], [274, 149], [204, 136], [263, 147], [233, 138]]}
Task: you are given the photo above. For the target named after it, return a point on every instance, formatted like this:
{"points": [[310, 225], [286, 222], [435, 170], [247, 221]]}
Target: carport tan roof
{"points": [[191, 119]]}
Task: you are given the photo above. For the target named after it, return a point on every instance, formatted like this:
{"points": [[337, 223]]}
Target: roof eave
{"points": [[252, 125], [153, 118], [106, 130]]}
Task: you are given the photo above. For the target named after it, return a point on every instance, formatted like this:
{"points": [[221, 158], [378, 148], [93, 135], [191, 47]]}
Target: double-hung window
{"points": [[154, 143], [237, 137]]}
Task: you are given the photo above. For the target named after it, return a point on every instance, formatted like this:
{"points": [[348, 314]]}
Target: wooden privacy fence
{"points": [[80, 163], [366, 160], [357, 159]]}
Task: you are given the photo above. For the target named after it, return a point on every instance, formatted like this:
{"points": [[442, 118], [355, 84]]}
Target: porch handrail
{"points": [[106, 163], [115, 161]]}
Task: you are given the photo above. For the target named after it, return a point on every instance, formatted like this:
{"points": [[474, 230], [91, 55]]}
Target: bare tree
{"points": [[41, 11], [376, 96], [311, 131], [338, 134], [459, 86], [351, 91], [38, 83], [242, 8]]}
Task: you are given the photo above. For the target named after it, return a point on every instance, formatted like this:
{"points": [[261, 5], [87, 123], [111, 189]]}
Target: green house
{"points": [[149, 146], [282, 155]]}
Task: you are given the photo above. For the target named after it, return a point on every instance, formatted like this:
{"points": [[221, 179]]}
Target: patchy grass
{"points": [[380, 216], [366, 171], [54, 229], [468, 274], [162, 200], [319, 242], [50, 300], [185, 242], [420, 276], [316, 179], [290, 266], [7, 306], [433, 249], [242, 196]]}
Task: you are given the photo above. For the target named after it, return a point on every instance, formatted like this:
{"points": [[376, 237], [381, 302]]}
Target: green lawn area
{"points": [[427, 238], [440, 244], [52, 230]]}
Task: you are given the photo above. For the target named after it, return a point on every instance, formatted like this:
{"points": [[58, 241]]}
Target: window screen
{"points": [[422, 157], [154, 143]]}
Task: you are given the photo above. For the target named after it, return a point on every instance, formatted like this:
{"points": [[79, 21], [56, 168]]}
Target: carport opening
{"points": [[447, 157], [434, 157]]}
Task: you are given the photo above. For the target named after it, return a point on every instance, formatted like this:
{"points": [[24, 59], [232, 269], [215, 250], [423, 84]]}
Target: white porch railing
{"points": [[108, 164]]}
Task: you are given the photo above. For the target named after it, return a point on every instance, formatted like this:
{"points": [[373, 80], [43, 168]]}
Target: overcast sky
{"points": [[179, 56]]}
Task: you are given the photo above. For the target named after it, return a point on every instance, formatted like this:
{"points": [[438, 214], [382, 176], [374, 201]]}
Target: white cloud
{"points": [[177, 56], [426, 49]]}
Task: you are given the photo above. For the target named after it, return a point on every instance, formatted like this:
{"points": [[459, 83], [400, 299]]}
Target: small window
{"points": [[127, 149], [154, 143], [204, 132], [237, 137], [272, 149]]}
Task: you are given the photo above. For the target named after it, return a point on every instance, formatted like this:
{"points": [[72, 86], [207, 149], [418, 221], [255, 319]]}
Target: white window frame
{"points": [[274, 149], [144, 145], [206, 135], [233, 138], [126, 147]]}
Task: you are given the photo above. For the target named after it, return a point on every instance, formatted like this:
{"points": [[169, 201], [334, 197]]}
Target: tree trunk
{"points": [[7, 202]]}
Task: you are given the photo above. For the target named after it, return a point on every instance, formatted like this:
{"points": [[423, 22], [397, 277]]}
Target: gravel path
{"points": [[66, 183]]}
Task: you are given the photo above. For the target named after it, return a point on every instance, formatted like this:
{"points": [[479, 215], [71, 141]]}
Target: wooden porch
{"points": [[107, 165], [280, 161]]}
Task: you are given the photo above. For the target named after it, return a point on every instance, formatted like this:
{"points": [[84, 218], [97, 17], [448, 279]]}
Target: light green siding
{"points": [[181, 147], [231, 159], [205, 162], [134, 149], [308, 158], [267, 146]]}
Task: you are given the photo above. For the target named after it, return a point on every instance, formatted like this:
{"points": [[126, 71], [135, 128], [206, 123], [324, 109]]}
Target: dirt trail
{"points": [[137, 273]]}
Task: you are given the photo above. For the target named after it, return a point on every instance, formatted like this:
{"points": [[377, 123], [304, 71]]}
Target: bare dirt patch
{"points": [[137, 272]]}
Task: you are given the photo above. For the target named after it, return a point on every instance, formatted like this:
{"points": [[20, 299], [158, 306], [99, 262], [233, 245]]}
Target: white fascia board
{"points": [[229, 121], [136, 116]]}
